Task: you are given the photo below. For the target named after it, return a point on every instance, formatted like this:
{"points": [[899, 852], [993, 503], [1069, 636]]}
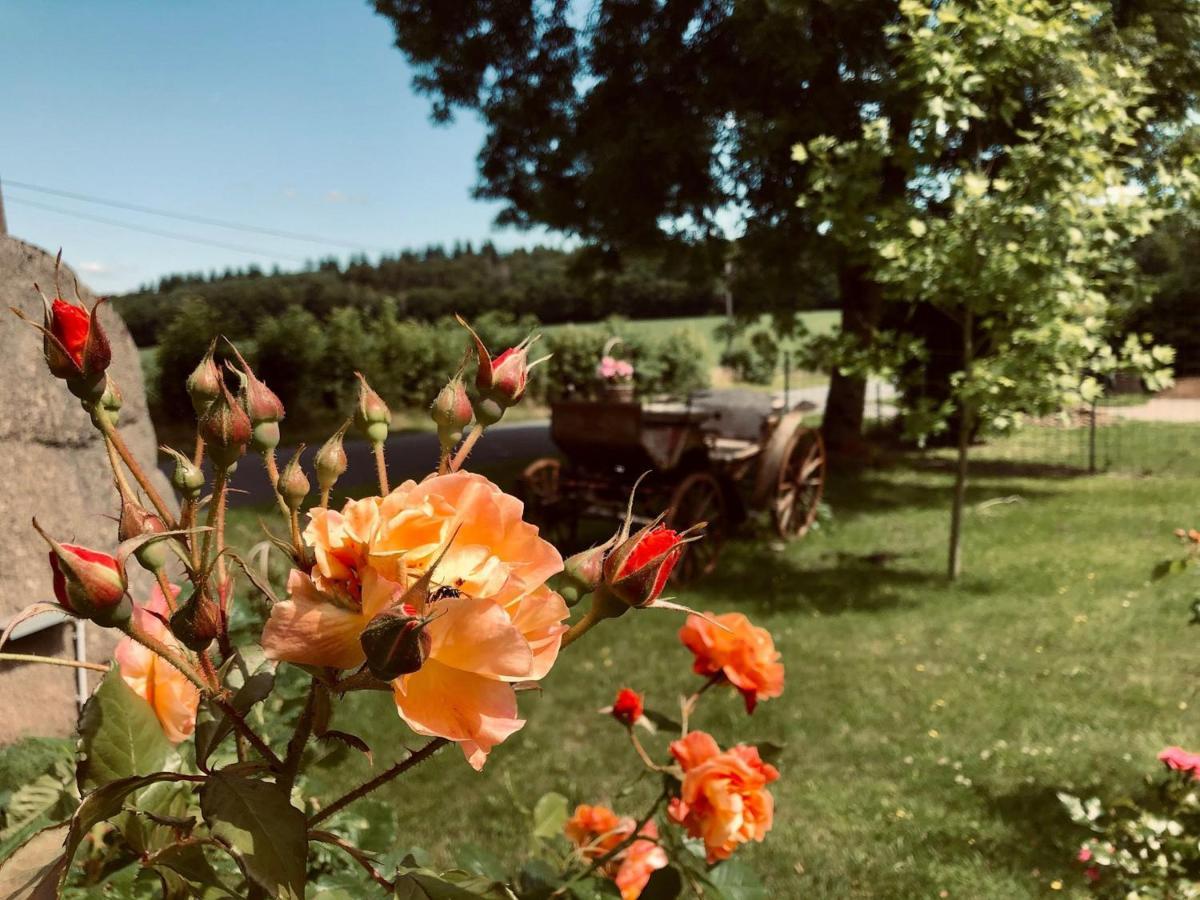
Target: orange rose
{"points": [[496, 624], [597, 830], [173, 698], [723, 799], [744, 654]]}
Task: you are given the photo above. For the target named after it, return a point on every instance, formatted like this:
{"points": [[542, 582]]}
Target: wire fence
{"points": [[1097, 439]]}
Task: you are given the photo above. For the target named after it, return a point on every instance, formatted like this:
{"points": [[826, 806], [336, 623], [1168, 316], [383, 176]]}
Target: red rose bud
{"points": [[371, 414], [74, 344], [137, 521], [262, 406], [187, 477], [452, 411], [293, 484], [330, 461], [225, 428], [395, 642], [628, 707], [204, 385], [87, 582], [197, 622], [638, 569], [502, 380]]}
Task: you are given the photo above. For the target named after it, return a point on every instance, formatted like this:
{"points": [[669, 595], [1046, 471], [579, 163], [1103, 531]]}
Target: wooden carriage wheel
{"points": [[800, 484], [699, 498], [539, 488]]}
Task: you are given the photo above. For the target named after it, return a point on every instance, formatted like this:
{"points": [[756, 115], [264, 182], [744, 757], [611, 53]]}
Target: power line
{"points": [[189, 217], [174, 235]]}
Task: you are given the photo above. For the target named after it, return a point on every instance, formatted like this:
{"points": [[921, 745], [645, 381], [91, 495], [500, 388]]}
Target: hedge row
{"points": [[310, 364]]}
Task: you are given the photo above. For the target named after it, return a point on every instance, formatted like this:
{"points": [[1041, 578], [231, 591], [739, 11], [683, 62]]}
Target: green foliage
{"points": [[753, 355], [1147, 846], [265, 833], [119, 735], [1170, 259], [552, 285]]}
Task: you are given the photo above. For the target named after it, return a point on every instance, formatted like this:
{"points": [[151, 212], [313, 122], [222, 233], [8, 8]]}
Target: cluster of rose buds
{"points": [[632, 569]]}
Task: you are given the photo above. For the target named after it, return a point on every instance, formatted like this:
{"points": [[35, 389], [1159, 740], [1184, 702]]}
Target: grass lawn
{"points": [[927, 726]]}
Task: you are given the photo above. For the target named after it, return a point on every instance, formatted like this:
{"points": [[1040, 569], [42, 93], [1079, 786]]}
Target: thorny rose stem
{"points": [[114, 436], [467, 446]]}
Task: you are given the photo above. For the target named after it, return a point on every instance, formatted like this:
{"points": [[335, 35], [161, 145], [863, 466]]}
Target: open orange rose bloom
{"points": [[500, 625], [724, 797], [173, 698]]}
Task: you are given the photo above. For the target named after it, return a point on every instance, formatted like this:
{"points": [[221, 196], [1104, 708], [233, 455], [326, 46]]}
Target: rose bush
{"points": [[194, 749]]}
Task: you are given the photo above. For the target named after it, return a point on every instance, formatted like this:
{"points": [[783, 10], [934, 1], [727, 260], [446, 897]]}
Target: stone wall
{"points": [[55, 467]]}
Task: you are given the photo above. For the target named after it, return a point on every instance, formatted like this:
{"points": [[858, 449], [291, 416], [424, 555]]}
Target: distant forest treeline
{"points": [[553, 285]]}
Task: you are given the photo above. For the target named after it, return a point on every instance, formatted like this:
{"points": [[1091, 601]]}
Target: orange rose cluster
{"points": [[484, 621], [729, 648], [724, 797], [600, 834]]}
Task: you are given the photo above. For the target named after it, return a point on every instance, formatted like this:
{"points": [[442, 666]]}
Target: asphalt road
{"points": [[408, 455]]}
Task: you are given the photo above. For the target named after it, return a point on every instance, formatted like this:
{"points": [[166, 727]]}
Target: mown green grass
{"points": [[927, 726]]}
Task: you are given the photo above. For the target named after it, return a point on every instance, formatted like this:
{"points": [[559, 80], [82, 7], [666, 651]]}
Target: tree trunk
{"points": [[965, 425], [862, 309]]}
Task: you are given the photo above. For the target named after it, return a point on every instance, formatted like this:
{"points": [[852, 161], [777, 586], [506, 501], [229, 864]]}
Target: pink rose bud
{"points": [[197, 622], [87, 582], [371, 414], [502, 380], [293, 484], [452, 411], [638, 569], [330, 461], [204, 385], [395, 642], [137, 521], [187, 478], [225, 428]]}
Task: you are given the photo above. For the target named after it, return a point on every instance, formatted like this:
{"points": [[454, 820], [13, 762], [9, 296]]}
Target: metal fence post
{"points": [[1092, 442]]}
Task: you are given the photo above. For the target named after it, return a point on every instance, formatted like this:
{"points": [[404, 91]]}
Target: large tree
{"points": [[639, 124], [642, 124], [1024, 198]]}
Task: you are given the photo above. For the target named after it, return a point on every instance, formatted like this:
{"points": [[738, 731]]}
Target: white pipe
{"points": [[81, 682]]}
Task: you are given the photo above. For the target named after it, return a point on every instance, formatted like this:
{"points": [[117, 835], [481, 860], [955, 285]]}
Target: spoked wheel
{"points": [[699, 498], [539, 487], [800, 485]]}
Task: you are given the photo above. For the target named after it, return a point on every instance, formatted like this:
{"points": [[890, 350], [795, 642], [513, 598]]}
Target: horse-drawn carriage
{"points": [[713, 458]]}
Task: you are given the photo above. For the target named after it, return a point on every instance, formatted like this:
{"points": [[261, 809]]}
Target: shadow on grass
{"points": [[1040, 834], [756, 578], [875, 492]]}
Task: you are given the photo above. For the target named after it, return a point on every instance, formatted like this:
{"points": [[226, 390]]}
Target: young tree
{"points": [[1019, 214]]}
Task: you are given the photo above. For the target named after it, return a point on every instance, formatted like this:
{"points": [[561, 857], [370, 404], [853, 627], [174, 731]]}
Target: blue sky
{"points": [[295, 116]]}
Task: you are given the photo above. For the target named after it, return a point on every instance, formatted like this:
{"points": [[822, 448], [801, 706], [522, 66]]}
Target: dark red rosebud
{"points": [[452, 411], [371, 414], [70, 324], [225, 428], [74, 344], [330, 461], [395, 642], [638, 569], [502, 380], [197, 622], [137, 521], [262, 405], [293, 484], [628, 708], [204, 385], [87, 582]]}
